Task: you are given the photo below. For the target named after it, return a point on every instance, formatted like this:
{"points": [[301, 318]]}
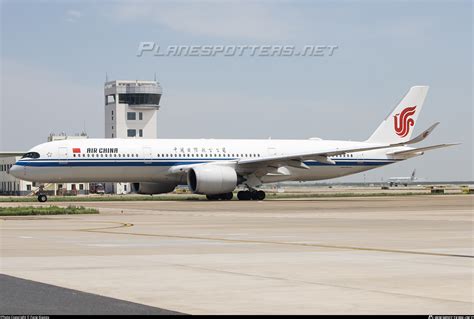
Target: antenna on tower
{"points": [[155, 77], [106, 77]]}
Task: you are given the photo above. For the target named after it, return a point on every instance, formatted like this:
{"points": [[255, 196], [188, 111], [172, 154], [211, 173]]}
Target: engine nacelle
{"points": [[153, 188], [212, 179]]}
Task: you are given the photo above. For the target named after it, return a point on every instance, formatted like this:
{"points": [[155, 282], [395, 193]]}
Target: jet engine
{"points": [[212, 179], [153, 188]]}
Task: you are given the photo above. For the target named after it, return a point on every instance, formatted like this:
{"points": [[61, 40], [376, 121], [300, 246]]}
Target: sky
{"points": [[55, 56]]}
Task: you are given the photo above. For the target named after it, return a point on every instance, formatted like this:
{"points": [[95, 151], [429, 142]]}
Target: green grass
{"points": [[50, 210]]}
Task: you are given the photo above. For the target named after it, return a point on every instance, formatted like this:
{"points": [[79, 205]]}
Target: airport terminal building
{"points": [[10, 185]]}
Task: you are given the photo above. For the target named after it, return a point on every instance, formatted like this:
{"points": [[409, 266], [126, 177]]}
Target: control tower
{"points": [[131, 109]]}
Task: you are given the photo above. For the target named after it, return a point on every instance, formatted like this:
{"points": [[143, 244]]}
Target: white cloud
{"points": [[73, 15]]}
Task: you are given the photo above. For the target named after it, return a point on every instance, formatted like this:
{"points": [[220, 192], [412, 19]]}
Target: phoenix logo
{"points": [[403, 121]]}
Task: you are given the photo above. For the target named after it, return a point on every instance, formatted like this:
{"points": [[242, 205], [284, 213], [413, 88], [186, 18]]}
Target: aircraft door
{"points": [[63, 155], [147, 155], [272, 151], [359, 157]]}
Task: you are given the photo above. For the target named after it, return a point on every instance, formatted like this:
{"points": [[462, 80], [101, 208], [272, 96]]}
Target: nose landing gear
{"points": [[42, 198]]}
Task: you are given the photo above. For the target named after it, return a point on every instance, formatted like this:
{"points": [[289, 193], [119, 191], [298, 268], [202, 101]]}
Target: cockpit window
{"points": [[31, 155]]}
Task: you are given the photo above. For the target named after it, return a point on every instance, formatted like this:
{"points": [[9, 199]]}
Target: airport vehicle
{"points": [[215, 167], [395, 181]]}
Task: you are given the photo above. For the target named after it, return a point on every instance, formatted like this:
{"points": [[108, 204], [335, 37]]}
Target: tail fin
{"points": [[398, 126]]}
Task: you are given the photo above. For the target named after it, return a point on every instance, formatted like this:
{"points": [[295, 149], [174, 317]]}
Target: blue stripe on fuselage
{"points": [[174, 162]]}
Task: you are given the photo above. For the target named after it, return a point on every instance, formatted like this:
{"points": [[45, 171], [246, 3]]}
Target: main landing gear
{"points": [[251, 195], [242, 195], [225, 196]]}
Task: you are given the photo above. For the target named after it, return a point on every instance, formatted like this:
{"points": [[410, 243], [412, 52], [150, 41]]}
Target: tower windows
{"points": [[110, 99], [131, 116], [139, 98]]}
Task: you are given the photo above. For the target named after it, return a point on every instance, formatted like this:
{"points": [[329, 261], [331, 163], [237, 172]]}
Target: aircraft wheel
{"points": [[244, 195], [42, 198], [227, 196], [260, 195], [254, 195], [212, 197]]}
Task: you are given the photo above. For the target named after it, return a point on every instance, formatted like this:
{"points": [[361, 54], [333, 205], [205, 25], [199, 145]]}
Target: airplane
{"points": [[216, 167], [395, 181]]}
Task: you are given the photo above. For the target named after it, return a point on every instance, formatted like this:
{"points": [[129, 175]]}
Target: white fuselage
{"points": [[153, 160]]}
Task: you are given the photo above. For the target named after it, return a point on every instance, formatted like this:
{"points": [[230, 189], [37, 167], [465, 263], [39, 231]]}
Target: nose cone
{"points": [[15, 170]]}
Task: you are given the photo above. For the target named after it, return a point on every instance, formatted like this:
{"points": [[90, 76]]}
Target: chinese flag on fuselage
{"points": [[76, 150]]}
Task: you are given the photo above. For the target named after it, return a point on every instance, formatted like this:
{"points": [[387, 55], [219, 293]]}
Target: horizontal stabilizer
{"points": [[423, 135], [421, 149]]}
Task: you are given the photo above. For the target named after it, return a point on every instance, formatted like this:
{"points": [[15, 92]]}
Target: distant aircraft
{"points": [[216, 167], [395, 181]]}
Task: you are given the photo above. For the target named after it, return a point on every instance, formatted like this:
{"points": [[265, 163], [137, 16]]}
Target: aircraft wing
{"points": [[296, 160], [422, 149], [10, 154], [262, 165]]}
